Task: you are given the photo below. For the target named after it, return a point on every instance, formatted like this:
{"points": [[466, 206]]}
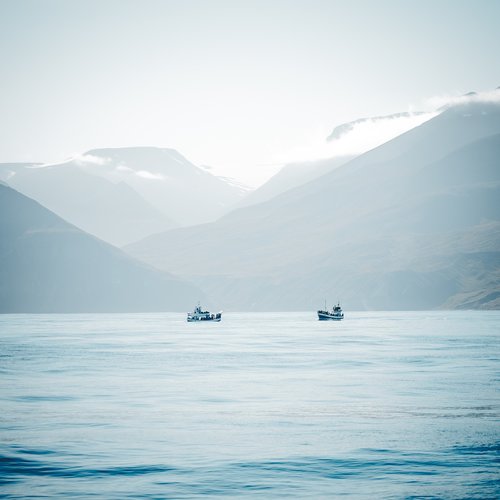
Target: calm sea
{"points": [[264, 405]]}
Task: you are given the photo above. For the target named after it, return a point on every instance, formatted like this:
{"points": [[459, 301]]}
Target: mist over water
{"points": [[261, 405]]}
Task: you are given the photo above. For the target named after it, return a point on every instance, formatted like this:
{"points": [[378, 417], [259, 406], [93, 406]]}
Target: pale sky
{"points": [[242, 86]]}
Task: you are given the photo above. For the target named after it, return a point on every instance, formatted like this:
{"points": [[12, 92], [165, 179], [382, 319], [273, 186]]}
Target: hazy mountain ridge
{"points": [[366, 232], [122, 195], [297, 173], [170, 182], [49, 265], [292, 175], [111, 211]]}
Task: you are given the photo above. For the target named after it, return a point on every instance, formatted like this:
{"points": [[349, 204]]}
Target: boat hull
{"points": [[329, 317], [197, 320]]}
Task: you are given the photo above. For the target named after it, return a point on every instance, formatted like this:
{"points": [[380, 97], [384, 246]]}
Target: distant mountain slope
{"points": [[412, 224], [48, 265], [122, 195], [176, 187], [361, 135], [111, 211], [291, 176]]}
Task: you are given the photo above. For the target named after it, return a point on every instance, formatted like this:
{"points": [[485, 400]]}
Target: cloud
{"points": [[444, 101], [365, 134], [345, 128], [123, 168], [149, 175], [355, 137], [91, 160], [86, 159], [359, 136]]}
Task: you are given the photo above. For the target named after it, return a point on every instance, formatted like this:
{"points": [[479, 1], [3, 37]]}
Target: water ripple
{"points": [[246, 477]]}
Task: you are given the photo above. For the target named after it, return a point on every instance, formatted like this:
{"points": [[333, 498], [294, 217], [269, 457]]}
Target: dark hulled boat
{"points": [[335, 314]]}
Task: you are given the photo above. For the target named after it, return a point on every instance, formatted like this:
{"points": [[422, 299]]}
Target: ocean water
{"points": [[261, 405]]}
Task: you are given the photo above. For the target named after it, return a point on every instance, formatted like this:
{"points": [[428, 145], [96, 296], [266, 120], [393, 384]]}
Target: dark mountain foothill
{"points": [[48, 265]]}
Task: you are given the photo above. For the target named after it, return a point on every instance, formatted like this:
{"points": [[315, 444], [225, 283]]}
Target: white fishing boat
{"points": [[335, 314], [199, 315]]}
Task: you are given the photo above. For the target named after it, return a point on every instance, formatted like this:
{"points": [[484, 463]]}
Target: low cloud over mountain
{"points": [[166, 179]]}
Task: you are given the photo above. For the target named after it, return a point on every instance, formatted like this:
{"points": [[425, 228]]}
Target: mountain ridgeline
{"points": [[111, 211], [411, 224], [122, 195], [170, 182], [290, 176]]}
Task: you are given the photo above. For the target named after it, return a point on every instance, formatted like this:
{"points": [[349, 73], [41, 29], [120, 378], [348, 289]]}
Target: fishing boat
{"points": [[335, 314], [199, 315]]}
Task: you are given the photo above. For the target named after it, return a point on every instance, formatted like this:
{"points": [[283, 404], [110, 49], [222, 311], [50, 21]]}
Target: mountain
{"points": [[49, 265], [112, 211], [291, 176], [125, 194], [412, 224], [167, 180], [363, 134]]}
